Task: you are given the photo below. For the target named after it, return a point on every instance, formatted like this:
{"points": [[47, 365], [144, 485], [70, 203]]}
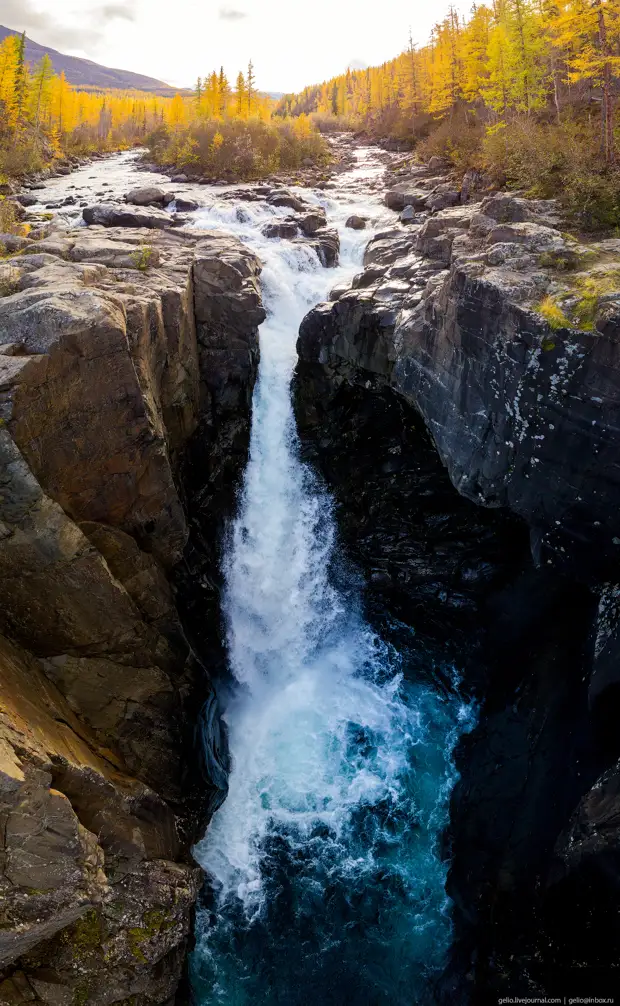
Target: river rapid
{"points": [[325, 883]]}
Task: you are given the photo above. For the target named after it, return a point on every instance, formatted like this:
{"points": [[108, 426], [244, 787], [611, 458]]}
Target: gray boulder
{"points": [[111, 215], [327, 245], [397, 199], [442, 197], [285, 229], [186, 205], [356, 223], [149, 195], [26, 199], [439, 164], [313, 222], [281, 197]]}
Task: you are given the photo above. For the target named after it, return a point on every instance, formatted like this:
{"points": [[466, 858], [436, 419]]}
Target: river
{"points": [[325, 880]]}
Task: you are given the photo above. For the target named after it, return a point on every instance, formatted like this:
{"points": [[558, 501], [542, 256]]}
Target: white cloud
{"points": [[188, 40]]}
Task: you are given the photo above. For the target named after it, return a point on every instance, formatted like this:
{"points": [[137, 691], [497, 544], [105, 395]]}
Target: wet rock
{"points": [[186, 205], [111, 215], [312, 222], [179, 179], [285, 229], [327, 244], [281, 197], [408, 216], [356, 223]]}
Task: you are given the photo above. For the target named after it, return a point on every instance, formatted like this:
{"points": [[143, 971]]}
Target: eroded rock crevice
{"points": [[470, 446], [125, 401]]}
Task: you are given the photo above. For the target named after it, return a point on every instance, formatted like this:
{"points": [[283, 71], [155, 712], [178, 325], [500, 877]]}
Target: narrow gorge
{"points": [[308, 552]]}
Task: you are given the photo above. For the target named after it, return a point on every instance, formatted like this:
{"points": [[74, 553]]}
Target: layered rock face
{"points": [[479, 348], [110, 368]]}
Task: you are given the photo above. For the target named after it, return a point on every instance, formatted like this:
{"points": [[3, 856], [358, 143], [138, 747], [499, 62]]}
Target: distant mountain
{"points": [[88, 76]]}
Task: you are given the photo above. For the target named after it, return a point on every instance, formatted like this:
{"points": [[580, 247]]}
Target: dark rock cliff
{"points": [[112, 382], [468, 425]]}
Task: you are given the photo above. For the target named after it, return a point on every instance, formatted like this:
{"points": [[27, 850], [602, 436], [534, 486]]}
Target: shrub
{"points": [[238, 148], [459, 138], [9, 279], [142, 258]]}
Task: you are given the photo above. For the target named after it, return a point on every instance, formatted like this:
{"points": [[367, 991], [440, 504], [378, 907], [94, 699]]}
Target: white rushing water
{"points": [[341, 769]]}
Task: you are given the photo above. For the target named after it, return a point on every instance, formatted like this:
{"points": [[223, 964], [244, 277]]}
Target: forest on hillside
{"points": [[219, 130], [524, 90]]}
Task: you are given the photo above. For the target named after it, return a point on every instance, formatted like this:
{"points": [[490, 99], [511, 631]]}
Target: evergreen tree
{"points": [[241, 94], [250, 87]]}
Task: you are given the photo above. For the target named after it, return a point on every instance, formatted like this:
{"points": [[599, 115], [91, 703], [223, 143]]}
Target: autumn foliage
{"points": [[218, 131], [229, 133], [521, 89]]}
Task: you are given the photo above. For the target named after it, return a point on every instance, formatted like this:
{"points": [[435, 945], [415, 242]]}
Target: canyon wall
{"points": [[472, 449], [112, 376]]}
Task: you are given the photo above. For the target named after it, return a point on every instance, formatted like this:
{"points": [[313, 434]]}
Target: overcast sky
{"points": [[291, 44]]}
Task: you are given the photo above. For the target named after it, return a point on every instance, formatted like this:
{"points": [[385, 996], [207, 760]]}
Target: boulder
{"points": [[356, 223], [535, 237], [311, 222], [397, 199], [439, 164], [186, 205], [113, 215], [286, 229], [442, 197], [26, 199], [408, 215], [327, 245], [387, 247], [149, 195], [13, 243], [179, 179], [281, 197]]}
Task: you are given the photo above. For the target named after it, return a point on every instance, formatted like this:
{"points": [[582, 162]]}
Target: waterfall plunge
{"points": [[325, 883]]}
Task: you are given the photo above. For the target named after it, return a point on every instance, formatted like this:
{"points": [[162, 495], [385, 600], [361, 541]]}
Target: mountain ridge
{"points": [[87, 75]]}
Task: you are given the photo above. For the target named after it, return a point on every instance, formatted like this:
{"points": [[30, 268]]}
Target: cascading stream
{"points": [[325, 883]]}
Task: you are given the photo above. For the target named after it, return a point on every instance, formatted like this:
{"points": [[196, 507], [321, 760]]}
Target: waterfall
{"points": [[325, 884]]}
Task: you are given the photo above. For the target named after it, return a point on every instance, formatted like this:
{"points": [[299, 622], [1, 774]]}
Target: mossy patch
{"points": [[568, 259], [553, 314], [154, 922], [84, 936]]}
